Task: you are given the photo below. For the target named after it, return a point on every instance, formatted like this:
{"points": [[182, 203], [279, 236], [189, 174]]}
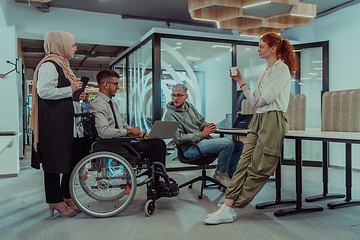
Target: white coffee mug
{"points": [[233, 71]]}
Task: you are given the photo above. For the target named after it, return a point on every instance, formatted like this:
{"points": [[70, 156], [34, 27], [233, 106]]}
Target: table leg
{"points": [[325, 166], [298, 168], [278, 201], [348, 175]]}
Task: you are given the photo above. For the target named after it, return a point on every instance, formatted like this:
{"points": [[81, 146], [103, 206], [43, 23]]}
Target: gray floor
{"points": [[24, 214]]}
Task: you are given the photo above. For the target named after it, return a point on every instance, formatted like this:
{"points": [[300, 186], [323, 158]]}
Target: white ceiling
{"points": [[92, 57]]}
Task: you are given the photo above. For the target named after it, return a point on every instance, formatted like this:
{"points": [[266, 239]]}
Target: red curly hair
{"points": [[284, 50]]}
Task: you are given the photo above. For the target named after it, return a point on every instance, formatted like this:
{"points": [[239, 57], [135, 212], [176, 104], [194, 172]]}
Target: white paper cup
{"points": [[233, 71]]}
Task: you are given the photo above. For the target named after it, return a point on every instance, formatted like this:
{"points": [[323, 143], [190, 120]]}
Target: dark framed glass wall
{"points": [[161, 60], [202, 63]]}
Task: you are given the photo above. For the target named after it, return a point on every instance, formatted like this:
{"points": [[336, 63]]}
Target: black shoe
{"points": [[167, 191]]}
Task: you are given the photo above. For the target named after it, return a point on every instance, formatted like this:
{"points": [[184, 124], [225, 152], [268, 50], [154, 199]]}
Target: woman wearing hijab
{"points": [[52, 120]]}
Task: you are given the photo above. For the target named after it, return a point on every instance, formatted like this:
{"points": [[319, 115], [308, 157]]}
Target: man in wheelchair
{"points": [[109, 125]]}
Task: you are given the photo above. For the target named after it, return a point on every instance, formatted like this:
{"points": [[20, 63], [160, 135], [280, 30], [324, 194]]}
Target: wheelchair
{"points": [[104, 183]]}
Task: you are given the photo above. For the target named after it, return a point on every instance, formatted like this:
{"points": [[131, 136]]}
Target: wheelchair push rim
{"points": [[103, 184]]}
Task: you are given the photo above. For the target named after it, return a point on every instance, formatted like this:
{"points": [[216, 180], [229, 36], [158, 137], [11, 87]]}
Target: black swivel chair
{"points": [[203, 160]]}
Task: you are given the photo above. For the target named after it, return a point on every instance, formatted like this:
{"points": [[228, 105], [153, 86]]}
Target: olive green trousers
{"points": [[260, 156]]}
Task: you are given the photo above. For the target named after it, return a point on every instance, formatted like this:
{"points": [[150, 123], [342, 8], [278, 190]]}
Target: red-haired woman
{"points": [[267, 129]]}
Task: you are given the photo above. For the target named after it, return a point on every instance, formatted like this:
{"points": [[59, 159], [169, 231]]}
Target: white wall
{"points": [[341, 29], [9, 91], [8, 85]]}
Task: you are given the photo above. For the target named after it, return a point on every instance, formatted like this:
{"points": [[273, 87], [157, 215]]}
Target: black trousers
{"points": [[154, 149], [57, 189]]}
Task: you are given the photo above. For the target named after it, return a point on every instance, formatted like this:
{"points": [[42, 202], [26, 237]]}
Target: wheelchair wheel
{"points": [[149, 207], [103, 184]]}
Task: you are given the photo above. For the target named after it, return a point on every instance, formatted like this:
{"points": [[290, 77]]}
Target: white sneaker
{"points": [[222, 177], [232, 211], [223, 215]]}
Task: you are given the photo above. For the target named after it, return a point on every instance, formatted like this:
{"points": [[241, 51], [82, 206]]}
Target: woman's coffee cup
{"points": [[233, 71]]}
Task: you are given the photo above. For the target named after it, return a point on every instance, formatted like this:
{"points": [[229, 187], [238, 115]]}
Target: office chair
{"points": [[203, 160]]}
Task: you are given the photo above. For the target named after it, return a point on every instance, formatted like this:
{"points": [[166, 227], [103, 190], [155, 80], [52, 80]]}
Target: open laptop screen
{"points": [[163, 129], [243, 121]]}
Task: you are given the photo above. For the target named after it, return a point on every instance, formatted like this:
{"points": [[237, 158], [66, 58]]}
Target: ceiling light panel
{"points": [[268, 10], [253, 17]]}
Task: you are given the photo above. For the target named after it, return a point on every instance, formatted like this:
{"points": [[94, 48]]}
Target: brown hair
{"points": [[284, 50]]}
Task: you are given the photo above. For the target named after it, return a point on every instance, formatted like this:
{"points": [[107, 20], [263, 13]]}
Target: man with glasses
{"points": [[110, 124], [193, 128]]}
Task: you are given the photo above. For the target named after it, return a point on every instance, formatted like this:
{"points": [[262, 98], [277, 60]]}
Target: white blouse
{"points": [[274, 86], [47, 83]]}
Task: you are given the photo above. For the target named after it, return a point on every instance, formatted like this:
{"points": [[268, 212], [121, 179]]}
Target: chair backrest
{"points": [[88, 122], [296, 112], [341, 111]]}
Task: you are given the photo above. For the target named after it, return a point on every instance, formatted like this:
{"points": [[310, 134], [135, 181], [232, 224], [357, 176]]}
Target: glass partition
{"points": [[140, 87], [311, 85], [120, 97], [204, 68], [250, 66]]}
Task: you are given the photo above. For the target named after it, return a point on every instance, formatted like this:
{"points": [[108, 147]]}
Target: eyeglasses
{"points": [[260, 48], [116, 83], [74, 46], [177, 95]]}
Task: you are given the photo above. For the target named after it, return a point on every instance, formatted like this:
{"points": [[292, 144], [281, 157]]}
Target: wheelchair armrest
{"points": [[83, 114], [123, 141], [115, 140]]}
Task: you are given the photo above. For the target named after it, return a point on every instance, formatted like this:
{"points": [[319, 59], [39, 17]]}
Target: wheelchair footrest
{"points": [[168, 191]]}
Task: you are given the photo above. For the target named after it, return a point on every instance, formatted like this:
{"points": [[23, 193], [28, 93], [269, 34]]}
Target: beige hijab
{"points": [[57, 45]]}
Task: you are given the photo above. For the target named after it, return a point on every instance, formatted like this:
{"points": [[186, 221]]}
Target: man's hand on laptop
{"points": [[208, 129], [134, 131]]}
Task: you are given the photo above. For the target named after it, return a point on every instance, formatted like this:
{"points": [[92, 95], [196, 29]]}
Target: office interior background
{"points": [[198, 54]]}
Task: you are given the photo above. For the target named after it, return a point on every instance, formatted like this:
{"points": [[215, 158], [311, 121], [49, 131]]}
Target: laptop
{"points": [[163, 129], [241, 122]]}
